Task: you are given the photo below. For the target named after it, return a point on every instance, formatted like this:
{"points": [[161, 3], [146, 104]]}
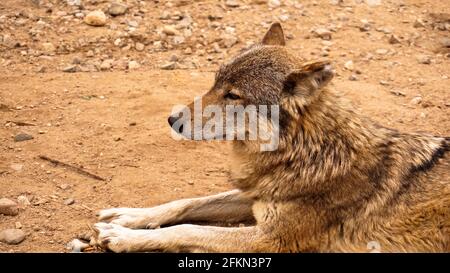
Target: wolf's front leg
{"points": [[184, 238], [229, 206]]}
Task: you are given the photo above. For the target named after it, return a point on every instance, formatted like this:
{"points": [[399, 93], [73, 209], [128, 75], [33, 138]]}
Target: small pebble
{"points": [[232, 3], [12, 236], [18, 225], [117, 8], [139, 46], [133, 65], [416, 100], [393, 39], [169, 66], [95, 18], [419, 23], [381, 51], [70, 69], [69, 201], [170, 30], [22, 137], [398, 93], [323, 33], [8, 207], [64, 186], [23, 201], [349, 65], [423, 59], [273, 3]]}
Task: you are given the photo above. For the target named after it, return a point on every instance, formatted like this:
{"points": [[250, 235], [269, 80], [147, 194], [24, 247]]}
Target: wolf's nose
{"points": [[172, 120]]}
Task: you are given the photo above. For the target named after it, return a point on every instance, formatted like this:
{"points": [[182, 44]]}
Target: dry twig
{"points": [[73, 168]]}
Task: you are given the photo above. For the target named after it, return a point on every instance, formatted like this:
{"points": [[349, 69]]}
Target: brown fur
{"points": [[336, 182]]}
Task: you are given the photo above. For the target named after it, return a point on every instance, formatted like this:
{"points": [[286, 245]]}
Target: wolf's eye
{"points": [[232, 96]]}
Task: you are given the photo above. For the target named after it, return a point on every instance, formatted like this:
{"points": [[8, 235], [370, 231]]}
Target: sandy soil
{"points": [[114, 122]]}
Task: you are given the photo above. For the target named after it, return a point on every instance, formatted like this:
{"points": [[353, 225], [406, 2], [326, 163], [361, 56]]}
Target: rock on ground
{"points": [[169, 66], [349, 65], [133, 65], [8, 207], [95, 18], [423, 59], [22, 137], [70, 69], [23, 201], [322, 33], [116, 9], [12, 236]]}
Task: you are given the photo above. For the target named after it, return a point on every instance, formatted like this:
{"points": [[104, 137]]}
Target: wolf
{"points": [[337, 182]]}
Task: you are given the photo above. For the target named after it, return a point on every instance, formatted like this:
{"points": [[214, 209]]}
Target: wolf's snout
{"points": [[172, 120]]}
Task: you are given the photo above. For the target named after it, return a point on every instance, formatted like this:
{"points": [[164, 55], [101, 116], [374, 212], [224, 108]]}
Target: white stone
{"points": [[133, 65], [23, 201], [349, 65], [95, 18], [273, 3], [139, 46], [48, 47]]}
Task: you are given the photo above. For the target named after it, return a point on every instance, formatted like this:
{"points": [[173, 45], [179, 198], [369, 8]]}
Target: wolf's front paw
{"points": [[134, 217], [117, 238]]}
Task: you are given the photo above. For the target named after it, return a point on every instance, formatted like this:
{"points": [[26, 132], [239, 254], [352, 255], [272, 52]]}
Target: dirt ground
{"points": [[110, 116]]}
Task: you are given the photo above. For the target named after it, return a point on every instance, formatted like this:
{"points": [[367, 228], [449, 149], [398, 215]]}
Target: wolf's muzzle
{"points": [[172, 120]]}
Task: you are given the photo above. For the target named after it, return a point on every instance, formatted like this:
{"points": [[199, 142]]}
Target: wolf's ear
{"points": [[274, 35], [309, 78]]}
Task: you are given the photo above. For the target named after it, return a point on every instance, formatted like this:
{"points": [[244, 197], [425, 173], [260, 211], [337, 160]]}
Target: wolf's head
{"points": [[262, 81]]}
